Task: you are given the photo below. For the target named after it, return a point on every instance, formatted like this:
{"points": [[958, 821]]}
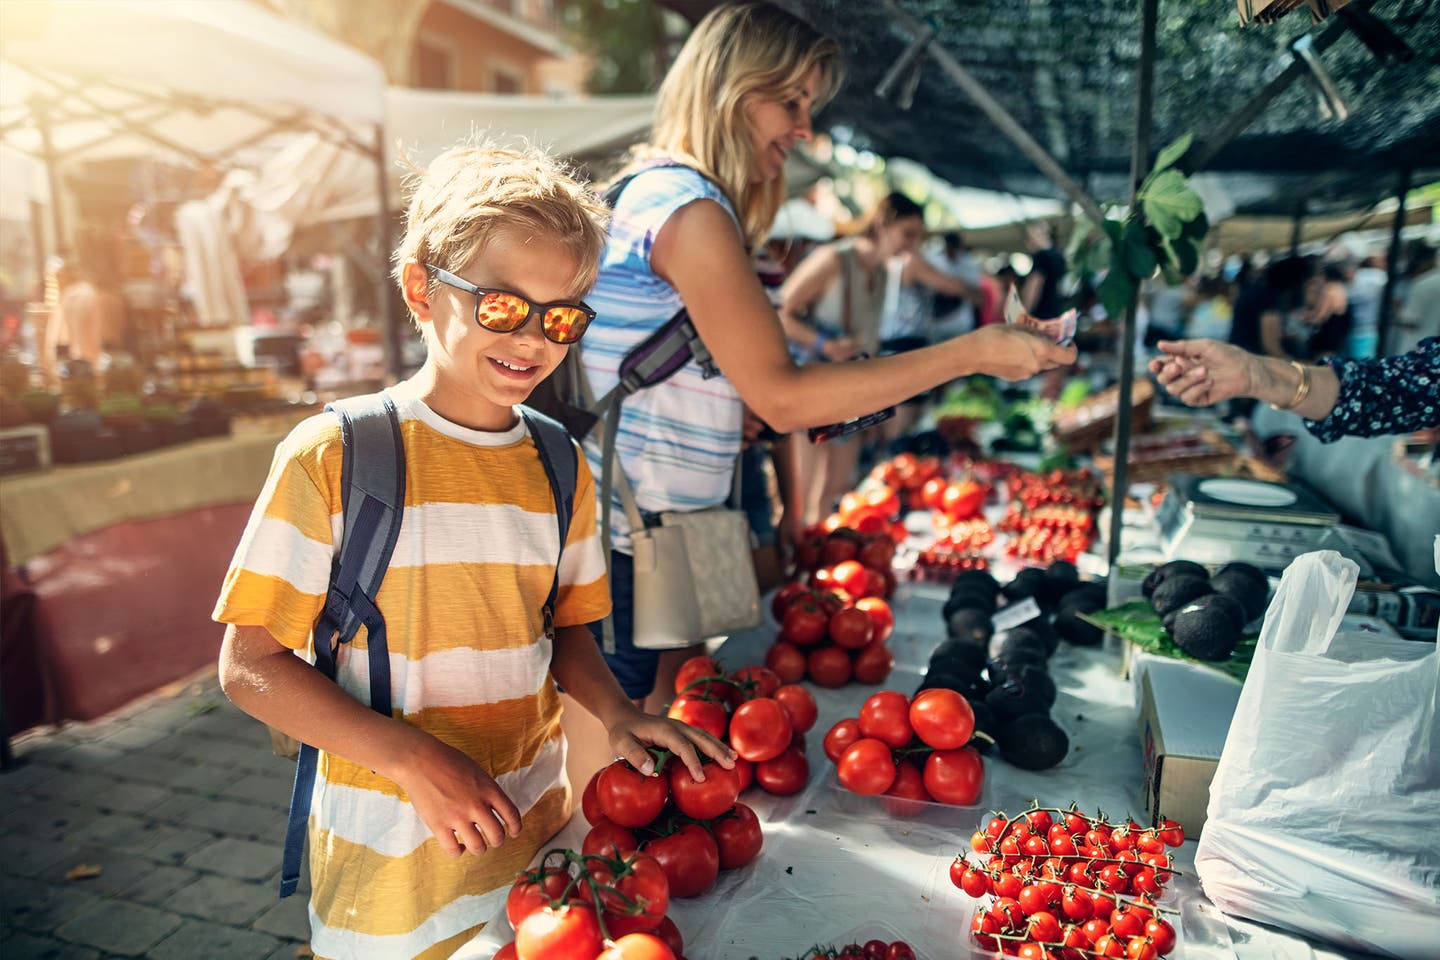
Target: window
{"points": [[434, 65], [503, 80]]}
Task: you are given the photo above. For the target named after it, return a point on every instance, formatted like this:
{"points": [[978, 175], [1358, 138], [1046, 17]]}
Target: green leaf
{"points": [[1139, 258], [1173, 152], [1138, 623], [1113, 229], [1115, 292], [1183, 255], [1197, 229], [1169, 202]]}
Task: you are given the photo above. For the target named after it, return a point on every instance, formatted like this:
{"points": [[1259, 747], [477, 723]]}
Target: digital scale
{"points": [[1217, 520]]}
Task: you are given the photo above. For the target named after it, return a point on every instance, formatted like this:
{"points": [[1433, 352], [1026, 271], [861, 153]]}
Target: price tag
{"points": [[1016, 614]]}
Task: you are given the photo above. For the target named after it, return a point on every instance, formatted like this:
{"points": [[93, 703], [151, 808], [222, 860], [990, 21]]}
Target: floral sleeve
{"points": [[1389, 395]]}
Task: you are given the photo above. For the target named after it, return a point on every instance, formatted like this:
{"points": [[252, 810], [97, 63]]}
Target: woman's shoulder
{"points": [[664, 185]]}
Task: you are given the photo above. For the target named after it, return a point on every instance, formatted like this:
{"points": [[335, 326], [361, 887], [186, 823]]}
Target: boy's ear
{"points": [[415, 284]]}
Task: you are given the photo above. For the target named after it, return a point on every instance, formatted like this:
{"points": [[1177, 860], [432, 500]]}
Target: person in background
{"points": [[1339, 397], [956, 315], [1263, 303], [1169, 308], [420, 815], [1323, 326], [833, 306], [1419, 314], [735, 103], [1212, 315], [992, 310], [1366, 293], [1041, 292]]}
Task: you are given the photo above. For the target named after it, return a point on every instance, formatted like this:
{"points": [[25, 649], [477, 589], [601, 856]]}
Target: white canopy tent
{"points": [[220, 83]]}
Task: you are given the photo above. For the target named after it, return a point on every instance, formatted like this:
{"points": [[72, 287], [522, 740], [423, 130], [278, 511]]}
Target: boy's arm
{"points": [[459, 801], [579, 668]]}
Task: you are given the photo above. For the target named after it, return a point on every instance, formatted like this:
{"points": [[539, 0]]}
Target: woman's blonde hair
{"points": [[738, 51], [472, 190]]}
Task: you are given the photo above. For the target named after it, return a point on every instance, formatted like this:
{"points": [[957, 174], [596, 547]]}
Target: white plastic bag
{"points": [[1323, 810]]}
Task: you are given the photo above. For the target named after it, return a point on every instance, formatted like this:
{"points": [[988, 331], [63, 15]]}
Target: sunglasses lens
{"points": [[501, 312], [565, 324]]}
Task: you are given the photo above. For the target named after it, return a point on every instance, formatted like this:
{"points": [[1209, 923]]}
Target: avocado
{"points": [[1244, 590], [1068, 624], [1174, 592], [1029, 582], [1033, 742], [972, 625], [1207, 628], [1175, 568]]}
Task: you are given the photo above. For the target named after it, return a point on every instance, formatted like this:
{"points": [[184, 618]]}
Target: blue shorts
{"points": [[632, 667]]}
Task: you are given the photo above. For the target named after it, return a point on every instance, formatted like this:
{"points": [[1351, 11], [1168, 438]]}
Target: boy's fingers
{"points": [[490, 828], [634, 752], [449, 845], [508, 813], [470, 839], [714, 749]]}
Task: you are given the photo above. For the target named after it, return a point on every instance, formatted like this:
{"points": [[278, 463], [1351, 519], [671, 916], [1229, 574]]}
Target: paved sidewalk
{"points": [[179, 802]]}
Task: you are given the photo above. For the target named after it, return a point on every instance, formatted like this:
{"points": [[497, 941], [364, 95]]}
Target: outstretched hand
{"points": [[636, 730], [1202, 372], [1014, 352]]}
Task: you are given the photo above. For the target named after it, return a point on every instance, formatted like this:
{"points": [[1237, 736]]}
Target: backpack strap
{"points": [[372, 492], [561, 462]]}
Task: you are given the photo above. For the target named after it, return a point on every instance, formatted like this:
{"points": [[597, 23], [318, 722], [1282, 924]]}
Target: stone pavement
{"points": [[180, 803]]}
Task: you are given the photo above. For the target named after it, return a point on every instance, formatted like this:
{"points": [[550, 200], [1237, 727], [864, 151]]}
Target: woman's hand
{"points": [[1199, 373], [635, 730], [459, 801], [1012, 352], [840, 348]]}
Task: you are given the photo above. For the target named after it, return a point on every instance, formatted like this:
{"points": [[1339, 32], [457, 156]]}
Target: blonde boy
{"points": [[416, 816]]}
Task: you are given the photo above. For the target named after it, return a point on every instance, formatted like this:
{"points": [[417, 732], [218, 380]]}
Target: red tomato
{"points": [[1095, 929], [799, 705], [963, 500], [569, 933], [942, 718], [696, 669], [852, 628], [873, 949], [609, 839], [756, 681], [829, 666], [700, 712], [838, 548], [784, 597], [738, 836], [759, 729], [506, 952], [527, 896], [702, 800], [932, 494], [641, 880], [851, 576], [670, 933], [638, 946], [907, 796], [873, 664], [808, 551], [899, 950], [886, 717], [690, 859], [881, 617], [590, 800], [1161, 934], [876, 584], [878, 553], [805, 623], [787, 661], [629, 797], [866, 767], [1109, 946], [784, 775], [839, 737], [744, 773], [954, 776], [1125, 924]]}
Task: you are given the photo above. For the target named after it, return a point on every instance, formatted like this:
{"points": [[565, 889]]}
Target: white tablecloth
{"points": [[838, 868]]}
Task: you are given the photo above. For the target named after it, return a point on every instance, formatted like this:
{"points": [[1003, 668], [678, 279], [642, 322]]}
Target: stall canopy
{"points": [[1065, 70], [198, 82]]}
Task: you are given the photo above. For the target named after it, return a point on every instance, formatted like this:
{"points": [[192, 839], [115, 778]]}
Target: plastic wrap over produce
{"points": [[1320, 808]]}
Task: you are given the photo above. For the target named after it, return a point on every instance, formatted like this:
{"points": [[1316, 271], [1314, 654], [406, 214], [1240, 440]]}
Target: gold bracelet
{"points": [[1302, 391]]}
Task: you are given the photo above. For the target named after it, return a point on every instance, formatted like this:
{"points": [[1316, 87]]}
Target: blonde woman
{"points": [[736, 102], [830, 308]]}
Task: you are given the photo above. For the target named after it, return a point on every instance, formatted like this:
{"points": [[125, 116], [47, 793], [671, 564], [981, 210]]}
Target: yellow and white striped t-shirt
{"points": [[469, 662]]}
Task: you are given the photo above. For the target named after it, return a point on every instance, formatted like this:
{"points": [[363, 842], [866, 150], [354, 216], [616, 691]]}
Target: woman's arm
{"points": [[1202, 372], [699, 253], [798, 295], [919, 270]]}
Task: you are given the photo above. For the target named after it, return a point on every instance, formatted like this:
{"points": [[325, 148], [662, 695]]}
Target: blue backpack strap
{"points": [[561, 462], [372, 485]]}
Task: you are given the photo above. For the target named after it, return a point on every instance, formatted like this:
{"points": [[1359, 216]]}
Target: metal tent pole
{"points": [[1392, 266], [1139, 162]]}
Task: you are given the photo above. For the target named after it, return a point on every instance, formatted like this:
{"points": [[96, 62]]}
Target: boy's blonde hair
{"points": [[737, 51], [472, 190]]}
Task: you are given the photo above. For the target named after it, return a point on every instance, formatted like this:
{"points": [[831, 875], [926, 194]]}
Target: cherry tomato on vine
{"points": [[759, 729], [866, 767], [638, 946], [942, 718], [738, 837], [954, 776], [840, 737], [630, 798], [570, 933], [705, 799]]}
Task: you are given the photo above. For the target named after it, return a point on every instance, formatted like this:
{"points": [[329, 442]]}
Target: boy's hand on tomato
{"points": [[459, 801], [636, 730]]}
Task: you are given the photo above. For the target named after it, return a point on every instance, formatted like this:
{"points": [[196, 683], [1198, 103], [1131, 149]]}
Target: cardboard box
{"points": [[1185, 713]]}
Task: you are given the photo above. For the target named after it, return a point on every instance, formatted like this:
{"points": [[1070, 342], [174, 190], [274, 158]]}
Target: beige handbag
{"points": [[694, 573]]}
